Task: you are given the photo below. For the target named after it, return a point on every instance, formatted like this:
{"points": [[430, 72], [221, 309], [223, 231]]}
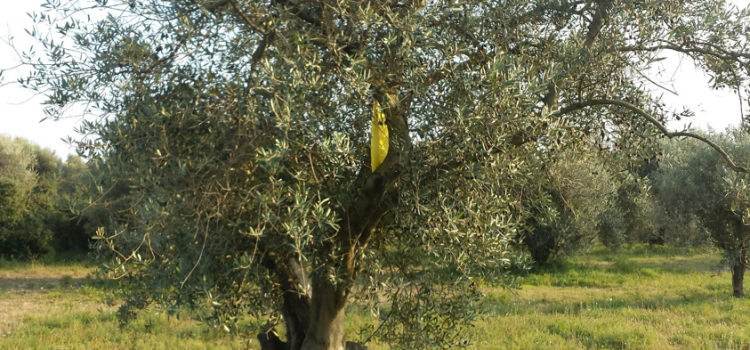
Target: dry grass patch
{"points": [[18, 307]]}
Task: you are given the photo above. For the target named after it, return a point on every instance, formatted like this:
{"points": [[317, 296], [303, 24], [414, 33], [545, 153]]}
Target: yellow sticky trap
{"points": [[379, 141]]}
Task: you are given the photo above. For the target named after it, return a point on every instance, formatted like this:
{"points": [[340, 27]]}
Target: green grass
{"points": [[59, 305], [636, 298], [99, 330]]}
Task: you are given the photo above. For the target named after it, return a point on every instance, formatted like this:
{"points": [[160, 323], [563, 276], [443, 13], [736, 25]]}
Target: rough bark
{"points": [[355, 346], [314, 321], [326, 330], [738, 270], [738, 276], [295, 308], [296, 312]]}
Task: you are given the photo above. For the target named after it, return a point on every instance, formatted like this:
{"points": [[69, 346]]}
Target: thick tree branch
{"points": [[655, 122], [360, 218], [307, 15], [296, 305], [598, 20], [268, 36], [258, 54], [364, 213]]}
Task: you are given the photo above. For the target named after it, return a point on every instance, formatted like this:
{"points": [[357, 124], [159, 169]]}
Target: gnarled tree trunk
{"points": [[738, 276], [738, 271], [295, 309], [326, 330], [313, 321]]}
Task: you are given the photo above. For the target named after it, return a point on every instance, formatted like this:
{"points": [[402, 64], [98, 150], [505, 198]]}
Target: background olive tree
{"points": [[17, 180], [579, 191], [703, 193], [37, 191], [634, 216], [237, 135]]}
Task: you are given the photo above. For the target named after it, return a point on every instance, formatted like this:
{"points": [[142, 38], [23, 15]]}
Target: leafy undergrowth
{"points": [[637, 298]]}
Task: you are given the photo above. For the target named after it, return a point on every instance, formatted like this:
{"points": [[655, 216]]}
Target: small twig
{"points": [[244, 16], [312, 167], [200, 256]]}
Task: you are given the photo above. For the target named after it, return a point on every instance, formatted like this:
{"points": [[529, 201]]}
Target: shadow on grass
{"points": [[52, 282], [37, 283], [603, 268], [63, 259], [641, 250], [504, 305], [649, 303]]}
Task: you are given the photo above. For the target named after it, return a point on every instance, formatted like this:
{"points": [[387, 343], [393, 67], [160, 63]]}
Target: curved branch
{"points": [[718, 53], [657, 123]]}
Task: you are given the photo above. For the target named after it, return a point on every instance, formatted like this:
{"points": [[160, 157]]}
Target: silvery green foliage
{"points": [[17, 162], [235, 134], [580, 190], [700, 194], [634, 215], [586, 190]]}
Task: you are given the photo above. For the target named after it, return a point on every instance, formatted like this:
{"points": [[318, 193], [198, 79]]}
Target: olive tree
{"points": [[240, 130], [634, 215], [703, 193], [579, 192], [34, 187], [17, 163], [20, 234]]}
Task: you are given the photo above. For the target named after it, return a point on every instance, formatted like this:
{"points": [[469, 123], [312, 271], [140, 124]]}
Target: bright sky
{"points": [[20, 111]]}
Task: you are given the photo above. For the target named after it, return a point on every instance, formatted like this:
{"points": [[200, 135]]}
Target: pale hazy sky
{"points": [[20, 111]]}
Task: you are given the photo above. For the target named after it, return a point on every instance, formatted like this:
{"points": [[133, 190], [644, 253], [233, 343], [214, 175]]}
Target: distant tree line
{"points": [[37, 192]]}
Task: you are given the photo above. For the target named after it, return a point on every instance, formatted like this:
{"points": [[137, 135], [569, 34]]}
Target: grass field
{"points": [[637, 298]]}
